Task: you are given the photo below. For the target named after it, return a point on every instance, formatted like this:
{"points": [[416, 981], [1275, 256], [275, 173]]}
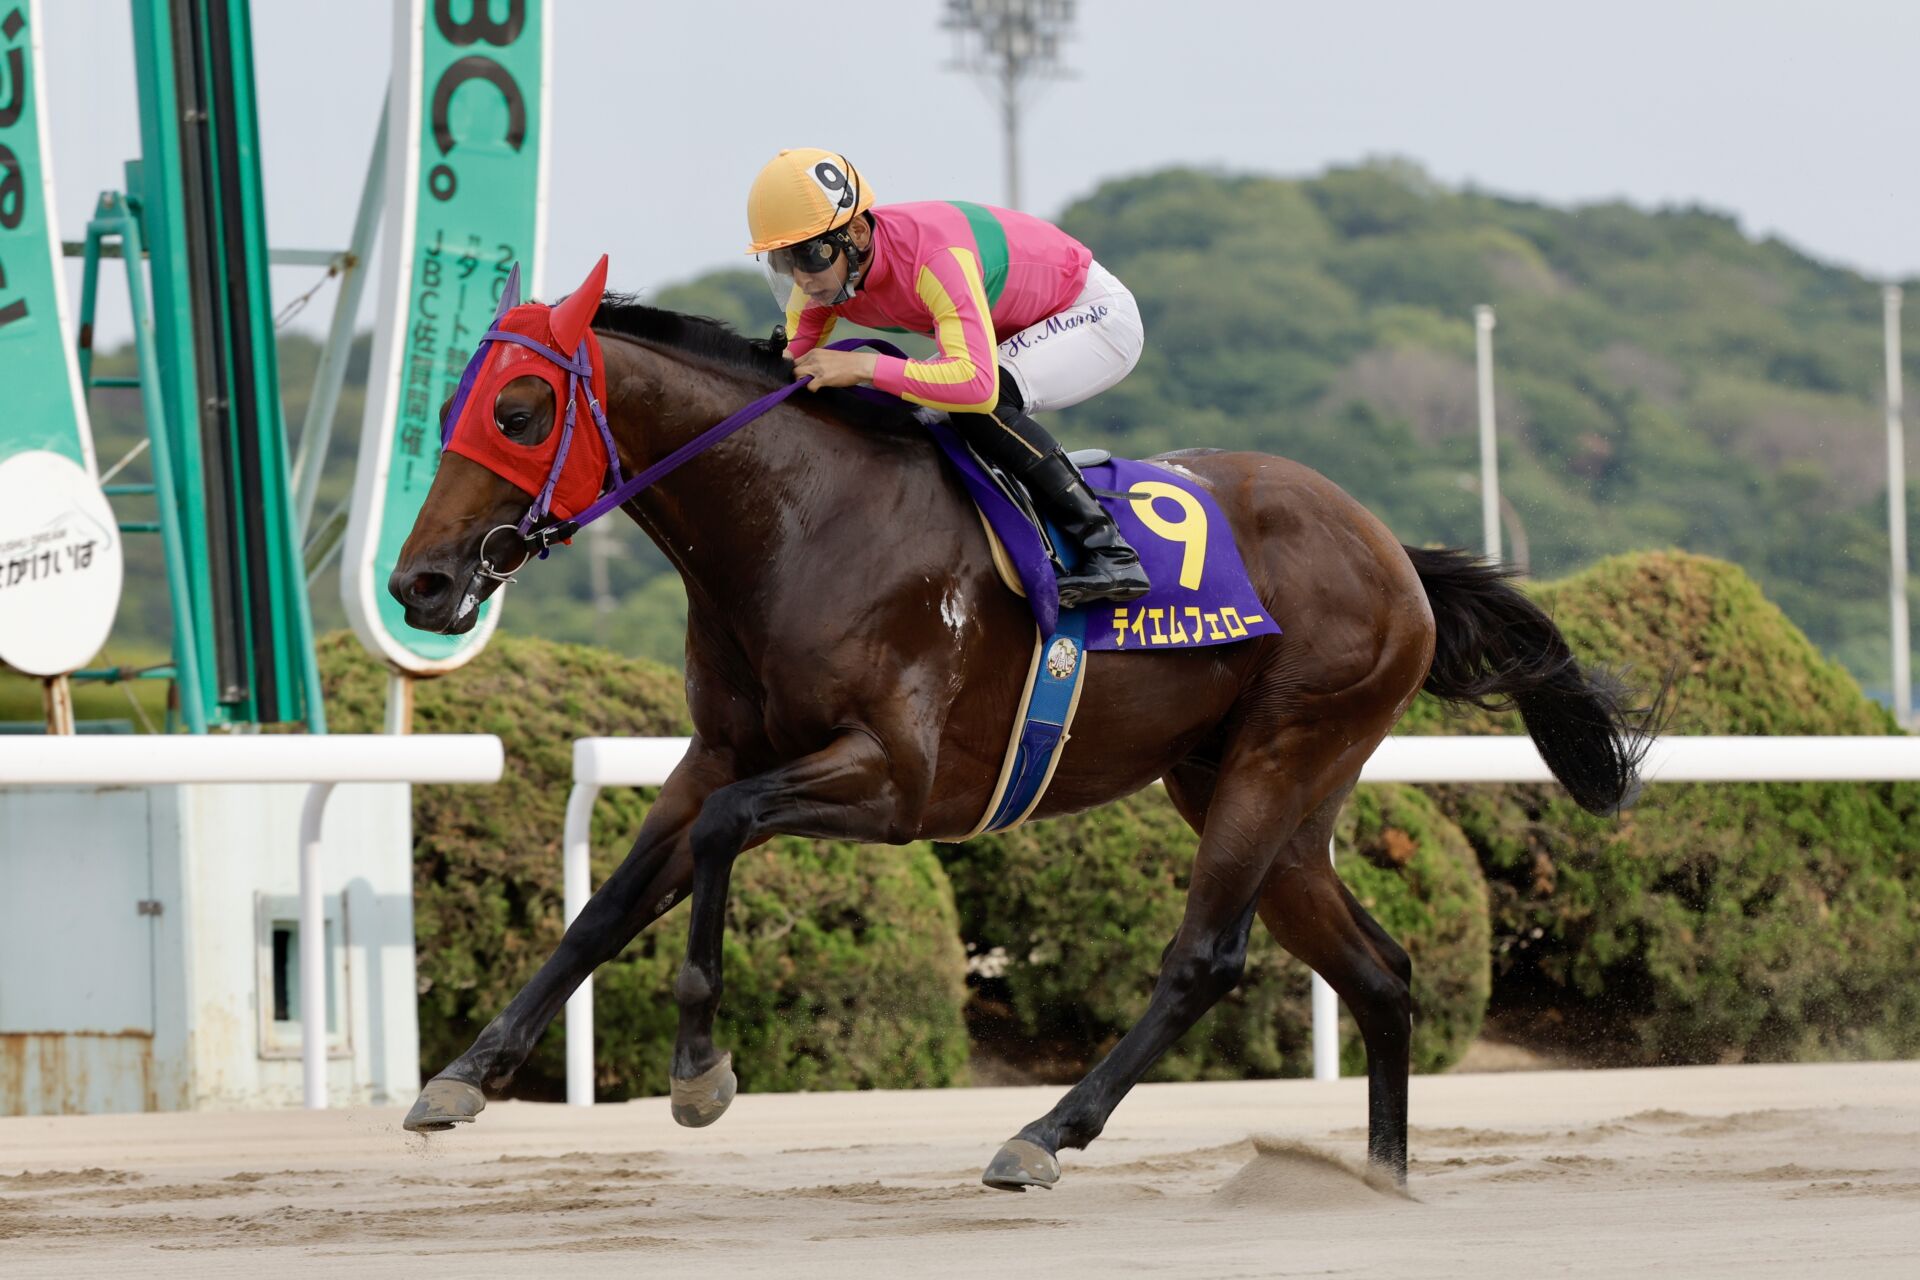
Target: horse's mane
{"points": [[718, 342]]}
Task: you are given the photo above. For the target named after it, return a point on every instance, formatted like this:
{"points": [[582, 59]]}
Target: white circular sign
{"points": [[60, 565]]}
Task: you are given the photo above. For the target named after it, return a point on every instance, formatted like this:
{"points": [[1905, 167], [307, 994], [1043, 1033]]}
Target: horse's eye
{"points": [[523, 411]]}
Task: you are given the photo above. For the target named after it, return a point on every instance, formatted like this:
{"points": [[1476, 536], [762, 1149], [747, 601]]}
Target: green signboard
{"points": [[466, 200], [41, 404]]}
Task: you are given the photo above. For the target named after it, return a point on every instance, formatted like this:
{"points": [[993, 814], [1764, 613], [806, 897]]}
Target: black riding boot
{"points": [[1109, 569]]}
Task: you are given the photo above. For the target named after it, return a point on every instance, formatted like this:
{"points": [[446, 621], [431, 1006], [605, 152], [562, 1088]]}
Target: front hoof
{"points": [[443, 1104], [1020, 1164], [700, 1101]]}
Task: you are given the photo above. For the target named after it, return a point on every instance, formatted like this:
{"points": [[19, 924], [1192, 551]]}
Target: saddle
{"points": [[1022, 502]]}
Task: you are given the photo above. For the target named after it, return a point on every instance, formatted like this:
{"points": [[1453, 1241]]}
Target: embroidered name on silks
{"points": [[1065, 322], [1163, 625]]}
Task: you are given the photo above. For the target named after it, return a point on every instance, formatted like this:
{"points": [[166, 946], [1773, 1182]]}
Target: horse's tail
{"points": [[1497, 649]]}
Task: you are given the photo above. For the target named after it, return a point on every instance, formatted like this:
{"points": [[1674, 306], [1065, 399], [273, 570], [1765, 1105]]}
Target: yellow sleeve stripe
{"points": [[801, 323], [960, 365]]}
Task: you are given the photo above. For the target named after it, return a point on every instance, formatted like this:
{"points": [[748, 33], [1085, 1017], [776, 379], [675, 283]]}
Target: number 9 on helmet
{"points": [[798, 213], [801, 194]]}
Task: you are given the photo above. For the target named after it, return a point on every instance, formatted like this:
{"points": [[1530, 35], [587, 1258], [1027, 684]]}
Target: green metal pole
{"points": [[114, 217], [317, 432], [194, 398], [89, 296]]}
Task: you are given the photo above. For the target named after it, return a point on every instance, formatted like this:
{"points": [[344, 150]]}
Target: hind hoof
{"points": [[443, 1104], [700, 1101], [1390, 1178], [1020, 1164]]}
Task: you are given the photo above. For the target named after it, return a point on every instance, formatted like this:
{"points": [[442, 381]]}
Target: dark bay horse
{"points": [[853, 664]]}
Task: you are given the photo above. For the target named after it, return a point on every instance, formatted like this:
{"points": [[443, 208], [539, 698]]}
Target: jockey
{"points": [[975, 279]]}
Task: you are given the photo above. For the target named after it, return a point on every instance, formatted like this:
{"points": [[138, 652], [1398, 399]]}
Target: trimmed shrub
{"points": [[843, 967], [1417, 875], [1066, 921], [1712, 922]]}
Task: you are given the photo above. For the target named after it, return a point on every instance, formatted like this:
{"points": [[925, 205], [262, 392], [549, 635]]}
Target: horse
{"points": [[853, 664]]}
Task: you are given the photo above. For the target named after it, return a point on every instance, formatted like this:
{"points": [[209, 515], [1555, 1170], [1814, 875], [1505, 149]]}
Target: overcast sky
{"points": [[1799, 118]]}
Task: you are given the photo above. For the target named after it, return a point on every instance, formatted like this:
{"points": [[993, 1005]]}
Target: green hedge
{"points": [[1712, 922], [1066, 921], [842, 962]]}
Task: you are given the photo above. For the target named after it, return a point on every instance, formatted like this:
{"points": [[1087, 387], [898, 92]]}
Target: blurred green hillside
{"points": [[1661, 378], [1664, 380]]}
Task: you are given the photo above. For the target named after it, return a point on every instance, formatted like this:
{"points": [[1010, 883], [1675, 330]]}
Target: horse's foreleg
{"points": [[653, 877], [1249, 817], [836, 793]]}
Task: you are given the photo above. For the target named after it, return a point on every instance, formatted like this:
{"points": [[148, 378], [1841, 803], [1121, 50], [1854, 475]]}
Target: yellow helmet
{"points": [[803, 193]]}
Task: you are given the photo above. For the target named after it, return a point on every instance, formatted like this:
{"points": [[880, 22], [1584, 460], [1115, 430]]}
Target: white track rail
{"points": [[1674, 759], [322, 761], [645, 762]]}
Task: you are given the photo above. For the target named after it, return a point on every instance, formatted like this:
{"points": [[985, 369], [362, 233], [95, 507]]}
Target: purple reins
{"points": [[544, 536]]}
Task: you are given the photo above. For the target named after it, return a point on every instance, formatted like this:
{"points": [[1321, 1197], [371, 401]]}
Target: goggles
{"points": [[811, 256], [787, 265]]}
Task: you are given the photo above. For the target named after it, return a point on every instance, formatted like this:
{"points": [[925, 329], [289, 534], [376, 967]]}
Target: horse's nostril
{"points": [[421, 590], [429, 588]]}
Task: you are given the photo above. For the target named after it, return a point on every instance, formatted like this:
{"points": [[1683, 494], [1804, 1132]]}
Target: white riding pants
{"points": [[1080, 352]]}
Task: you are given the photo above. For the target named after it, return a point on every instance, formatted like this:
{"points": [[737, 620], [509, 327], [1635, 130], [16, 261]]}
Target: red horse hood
{"points": [[579, 472]]}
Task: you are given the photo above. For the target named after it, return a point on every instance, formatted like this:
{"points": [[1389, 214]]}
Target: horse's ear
{"points": [[509, 296], [571, 317]]}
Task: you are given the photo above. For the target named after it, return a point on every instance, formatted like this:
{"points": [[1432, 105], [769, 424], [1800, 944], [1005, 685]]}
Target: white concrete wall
{"points": [[207, 853], [243, 841], [77, 1024]]}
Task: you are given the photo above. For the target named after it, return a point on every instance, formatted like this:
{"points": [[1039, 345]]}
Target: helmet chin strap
{"points": [[857, 269], [856, 261]]}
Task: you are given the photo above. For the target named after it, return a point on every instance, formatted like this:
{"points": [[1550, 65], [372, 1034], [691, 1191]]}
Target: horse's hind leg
{"points": [[1252, 810], [1312, 914], [1360, 960]]}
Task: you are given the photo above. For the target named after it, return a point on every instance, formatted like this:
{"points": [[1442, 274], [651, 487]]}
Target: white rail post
{"points": [[399, 718], [1326, 1022], [1489, 442], [1897, 515], [599, 763], [576, 850], [313, 951]]}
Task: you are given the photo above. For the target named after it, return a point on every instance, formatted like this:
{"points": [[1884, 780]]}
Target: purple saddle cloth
{"points": [[1201, 594]]}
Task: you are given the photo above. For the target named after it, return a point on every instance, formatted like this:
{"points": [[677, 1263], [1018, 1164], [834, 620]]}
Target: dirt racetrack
{"points": [[1740, 1171]]}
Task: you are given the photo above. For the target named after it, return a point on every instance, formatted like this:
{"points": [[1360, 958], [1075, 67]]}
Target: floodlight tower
{"points": [[1010, 45]]}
